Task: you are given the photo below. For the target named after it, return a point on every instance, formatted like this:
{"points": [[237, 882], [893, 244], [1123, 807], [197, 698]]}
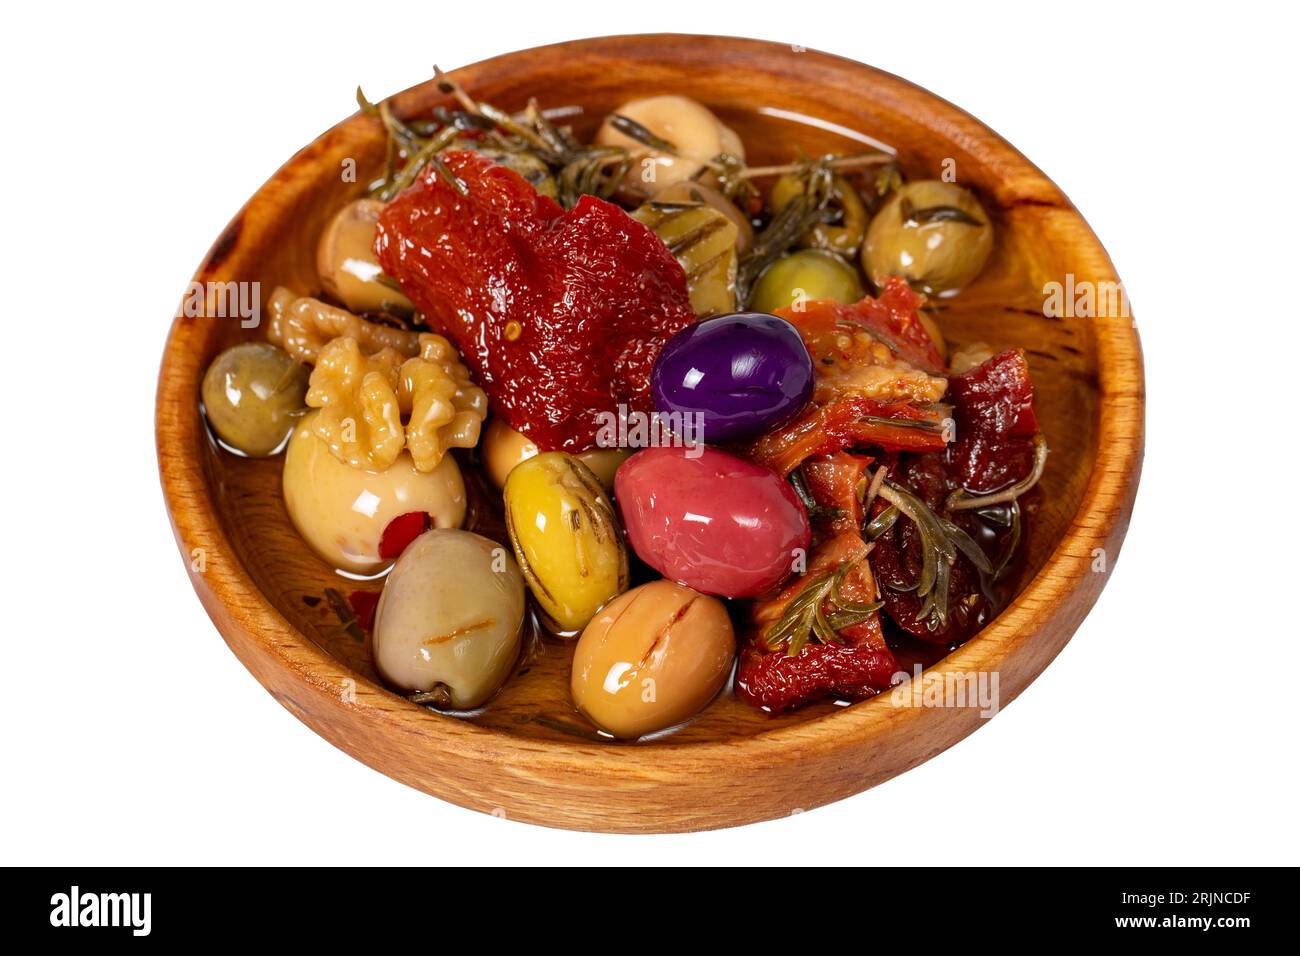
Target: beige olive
{"points": [[450, 620], [700, 193], [934, 234], [345, 260], [253, 395], [696, 135], [342, 511], [652, 658], [503, 448]]}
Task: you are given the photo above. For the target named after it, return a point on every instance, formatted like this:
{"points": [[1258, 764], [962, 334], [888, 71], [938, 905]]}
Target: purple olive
{"points": [[742, 374]]}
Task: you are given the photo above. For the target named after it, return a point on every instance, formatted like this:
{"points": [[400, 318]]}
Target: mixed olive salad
{"points": [[728, 444]]}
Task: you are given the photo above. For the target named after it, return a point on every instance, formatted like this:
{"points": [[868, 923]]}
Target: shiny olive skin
{"points": [[940, 247], [711, 520], [503, 448], [652, 658], [451, 617], [253, 396], [803, 276], [566, 538], [843, 237], [346, 263], [342, 512], [688, 191], [736, 375]]}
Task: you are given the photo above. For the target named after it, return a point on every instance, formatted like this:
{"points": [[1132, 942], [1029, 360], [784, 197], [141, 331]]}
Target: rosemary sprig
{"points": [[941, 542], [789, 224], [815, 511], [630, 127], [881, 523], [805, 618]]}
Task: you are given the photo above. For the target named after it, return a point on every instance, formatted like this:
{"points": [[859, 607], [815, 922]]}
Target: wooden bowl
{"points": [[528, 756]]}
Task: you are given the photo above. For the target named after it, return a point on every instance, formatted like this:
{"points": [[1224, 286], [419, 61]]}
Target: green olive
{"points": [[503, 448], [691, 191], [934, 234], [843, 236], [565, 535], [804, 275], [704, 242], [253, 395], [450, 619]]}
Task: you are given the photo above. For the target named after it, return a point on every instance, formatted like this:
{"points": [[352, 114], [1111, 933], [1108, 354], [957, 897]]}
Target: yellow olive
{"points": [[843, 237], [342, 511], [803, 276], [503, 448], [652, 658], [934, 234], [690, 191], [253, 395], [565, 535], [347, 265], [450, 618]]}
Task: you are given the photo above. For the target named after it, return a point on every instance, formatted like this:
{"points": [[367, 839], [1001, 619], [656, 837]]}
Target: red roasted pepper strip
{"points": [[833, 482], [769, 678], [993, 405], [852, 421], [559, 315]]}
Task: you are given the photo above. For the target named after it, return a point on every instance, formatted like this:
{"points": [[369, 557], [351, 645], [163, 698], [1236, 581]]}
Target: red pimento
{"points": [[400, 532], [560, 315]]}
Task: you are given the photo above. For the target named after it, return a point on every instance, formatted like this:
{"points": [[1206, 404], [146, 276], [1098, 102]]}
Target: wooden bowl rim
{"points": [[225, 584]]}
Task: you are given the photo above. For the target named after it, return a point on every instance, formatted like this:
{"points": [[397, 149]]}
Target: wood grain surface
{"points": [[528, 755]]}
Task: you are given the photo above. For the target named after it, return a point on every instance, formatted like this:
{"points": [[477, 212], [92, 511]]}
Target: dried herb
{"points": [[343, 611], [815, 511], [961, 500], [788, 226], [805, 617], [881, 523], [631, 128], [941, 543]]}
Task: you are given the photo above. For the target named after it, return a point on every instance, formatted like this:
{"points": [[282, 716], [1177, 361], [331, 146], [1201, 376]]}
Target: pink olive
{"points": [[711, 521]]}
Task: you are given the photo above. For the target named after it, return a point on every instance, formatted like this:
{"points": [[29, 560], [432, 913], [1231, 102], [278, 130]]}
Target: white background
{"points": [[1164, 733]]}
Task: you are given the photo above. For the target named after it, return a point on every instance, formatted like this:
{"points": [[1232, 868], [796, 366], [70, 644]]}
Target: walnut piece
{"points": [[374, 406], [302, 326]]}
